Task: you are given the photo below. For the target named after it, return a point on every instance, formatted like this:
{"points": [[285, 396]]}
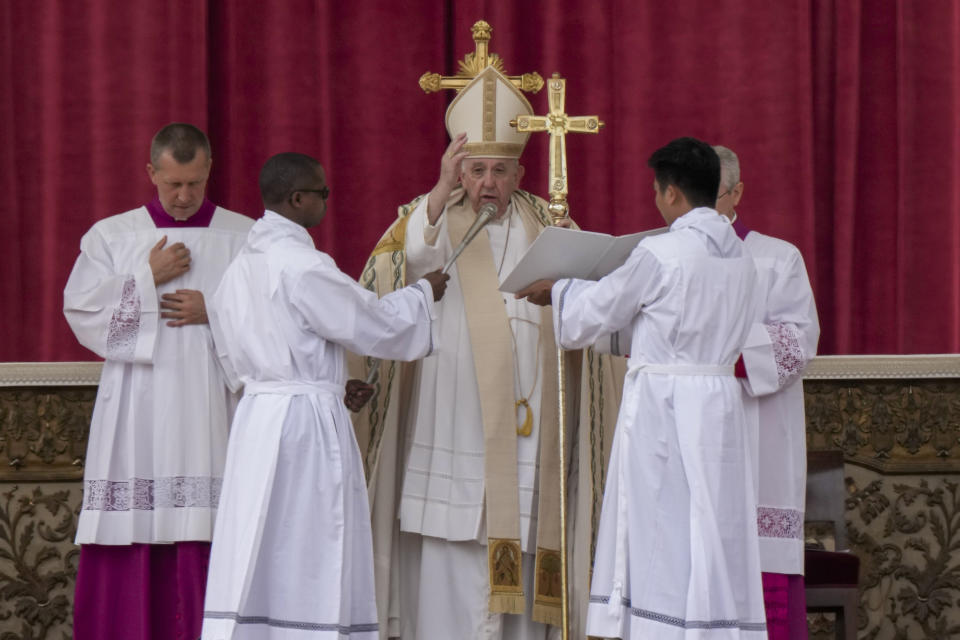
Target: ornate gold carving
{"points": [[894, 426], [530, 82], [430, 82], [905, 533], [473, 63], [43, 432], [38, 560], [558, 124]]}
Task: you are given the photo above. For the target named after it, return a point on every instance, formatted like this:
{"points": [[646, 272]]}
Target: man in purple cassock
{"points": [[137, 298]]}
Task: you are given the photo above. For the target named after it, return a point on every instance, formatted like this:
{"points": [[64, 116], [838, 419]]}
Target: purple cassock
{"points": [[144, 591]]}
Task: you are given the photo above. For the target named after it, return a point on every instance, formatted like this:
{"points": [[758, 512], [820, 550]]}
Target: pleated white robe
{"points": [[443, 489], [158, 435], [443, 483], [677, 552], [292, 554]]}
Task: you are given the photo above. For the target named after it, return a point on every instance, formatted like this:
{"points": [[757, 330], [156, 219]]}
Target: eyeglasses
{"points": [[727, 192], [324, 193]]}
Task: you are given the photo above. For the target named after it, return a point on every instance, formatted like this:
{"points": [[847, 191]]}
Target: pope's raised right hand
{"points": [[450, 163]]}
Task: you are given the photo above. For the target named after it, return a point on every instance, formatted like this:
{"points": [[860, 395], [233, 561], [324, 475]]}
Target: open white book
{"points": [[567, 253]]}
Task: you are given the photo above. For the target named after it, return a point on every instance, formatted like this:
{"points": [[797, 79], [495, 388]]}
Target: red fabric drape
{"points": [[844, 114]]}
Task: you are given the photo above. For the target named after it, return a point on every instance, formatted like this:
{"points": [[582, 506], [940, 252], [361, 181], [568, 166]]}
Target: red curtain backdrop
{"points": [[844, 114]]}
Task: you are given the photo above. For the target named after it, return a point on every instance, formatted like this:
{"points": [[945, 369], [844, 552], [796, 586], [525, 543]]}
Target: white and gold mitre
{"points": [[483, 110]]}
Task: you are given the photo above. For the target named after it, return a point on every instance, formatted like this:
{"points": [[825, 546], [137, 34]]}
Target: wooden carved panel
{"points": [[38, 560], [906, 532], [892, 426], [43, 432]]}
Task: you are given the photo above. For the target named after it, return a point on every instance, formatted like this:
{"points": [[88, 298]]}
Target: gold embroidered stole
{"points": [[548, 586], [493, 353], [492, 347]]}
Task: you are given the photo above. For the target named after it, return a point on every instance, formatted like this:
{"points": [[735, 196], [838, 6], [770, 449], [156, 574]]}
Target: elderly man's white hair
{"points": [[729, 166]]}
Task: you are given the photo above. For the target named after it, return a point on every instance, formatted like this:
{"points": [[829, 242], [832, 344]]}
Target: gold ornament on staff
{"points": [[474, 63], [558, 124]]}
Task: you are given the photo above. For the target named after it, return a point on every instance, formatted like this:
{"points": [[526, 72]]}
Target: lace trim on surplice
{"points": [[144, 494], [124, 324], [786, 352], [779, 523]]}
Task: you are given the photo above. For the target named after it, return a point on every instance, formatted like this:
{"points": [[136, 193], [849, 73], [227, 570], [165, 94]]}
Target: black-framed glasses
{"points": [[727, 192], [324, 193]]}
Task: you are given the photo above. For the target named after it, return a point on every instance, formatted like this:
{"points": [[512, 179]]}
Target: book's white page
{"points": [[618, 252], [569, 253]]}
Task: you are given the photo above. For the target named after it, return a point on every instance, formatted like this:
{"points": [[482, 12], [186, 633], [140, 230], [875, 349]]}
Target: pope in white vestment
{"points": [[292, 555], [431, 500], [468, 547], [443, 488]]}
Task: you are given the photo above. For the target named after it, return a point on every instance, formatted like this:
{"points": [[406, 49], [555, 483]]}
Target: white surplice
{"points": [[443, 486], [677, 553], [292, 557], [778, 349], [158, 435]]}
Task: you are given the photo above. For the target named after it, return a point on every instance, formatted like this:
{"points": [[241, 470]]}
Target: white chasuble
{"points": [[158, 435], [292, 557], [781, 344], [677, 554]]}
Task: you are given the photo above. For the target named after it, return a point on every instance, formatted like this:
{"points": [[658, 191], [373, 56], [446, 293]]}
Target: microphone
{"points": [[484, 216]]}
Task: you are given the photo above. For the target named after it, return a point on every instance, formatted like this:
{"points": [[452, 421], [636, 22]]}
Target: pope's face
{"points": [[490, 180], [180, 186]]}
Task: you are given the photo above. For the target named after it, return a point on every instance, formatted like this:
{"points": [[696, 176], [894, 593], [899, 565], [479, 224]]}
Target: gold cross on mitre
{"points": [[473, 63], [558, 124]]}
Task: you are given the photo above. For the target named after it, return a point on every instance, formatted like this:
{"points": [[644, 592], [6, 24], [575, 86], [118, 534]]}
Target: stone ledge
{"points": [[54, 374], [883, 367], [50, 374]]}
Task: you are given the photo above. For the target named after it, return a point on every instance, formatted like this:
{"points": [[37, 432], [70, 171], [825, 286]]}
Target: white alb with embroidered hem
{"points": [[292, 557], [677, 554], [158, 436], [779, 347]]}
